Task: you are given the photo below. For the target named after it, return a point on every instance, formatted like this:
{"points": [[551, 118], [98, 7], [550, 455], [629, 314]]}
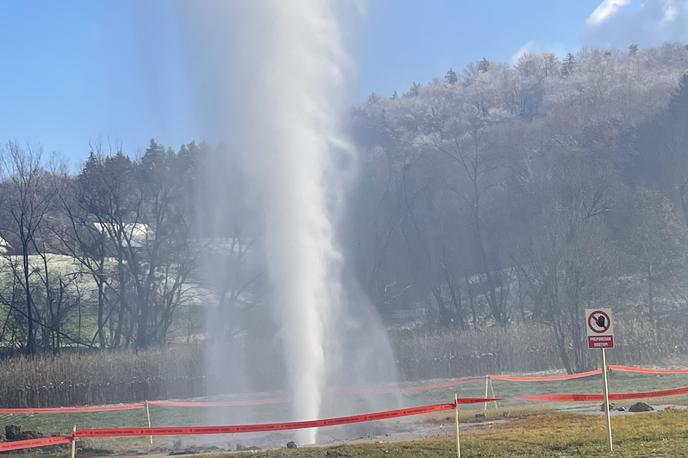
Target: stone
{"points": [[14, 433], [291, 444], [640, 407], [30, 435]]}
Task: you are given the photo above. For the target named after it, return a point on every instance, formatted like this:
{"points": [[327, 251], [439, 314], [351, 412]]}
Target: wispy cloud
{"points": [[645, 22], [670, 12], [605, 10], [534, 46]]}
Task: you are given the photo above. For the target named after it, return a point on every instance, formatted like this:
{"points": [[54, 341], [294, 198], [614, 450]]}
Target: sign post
{"points": [[599, 326], [74, 442], [606, 401], [458, 436]]}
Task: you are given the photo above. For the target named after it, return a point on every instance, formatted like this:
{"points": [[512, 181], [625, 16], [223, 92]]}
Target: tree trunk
{"points": [[651, 306], [30, 334], [561, 345], [101, 304]]}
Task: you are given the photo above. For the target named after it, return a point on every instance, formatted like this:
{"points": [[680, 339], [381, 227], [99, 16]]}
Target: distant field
{"points": [[188, 320], [528, 431]]}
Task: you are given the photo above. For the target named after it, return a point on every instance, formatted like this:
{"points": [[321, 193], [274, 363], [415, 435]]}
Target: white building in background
{"points": [[139, 234], [5, 246]]}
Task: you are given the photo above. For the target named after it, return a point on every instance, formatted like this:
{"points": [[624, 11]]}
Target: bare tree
{"points": [[30, 196]]}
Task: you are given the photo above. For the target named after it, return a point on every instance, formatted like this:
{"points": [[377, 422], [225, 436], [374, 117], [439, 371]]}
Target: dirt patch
{"points": [[615, 411], [438, 427]]}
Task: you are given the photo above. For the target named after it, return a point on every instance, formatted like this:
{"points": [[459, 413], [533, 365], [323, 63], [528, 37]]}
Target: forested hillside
{"points": [[492, 197], [504, 194]]}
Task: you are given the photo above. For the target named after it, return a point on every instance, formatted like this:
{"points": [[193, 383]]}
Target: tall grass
{"points": [[99, 378], [451, 352], [178, 371]]}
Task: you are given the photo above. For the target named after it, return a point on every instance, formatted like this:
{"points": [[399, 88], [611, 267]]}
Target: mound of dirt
{"points": [[640, 407], [14, 433]]}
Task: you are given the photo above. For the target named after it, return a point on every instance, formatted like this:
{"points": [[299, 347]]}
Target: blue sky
{"points": [[416, 41], [118, 72]]}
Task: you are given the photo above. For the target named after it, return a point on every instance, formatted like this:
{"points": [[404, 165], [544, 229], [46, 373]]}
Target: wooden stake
{"points": [[487, 385], [493, 393], [149, 421], [606, 401], [74, 442], [458, 436]]}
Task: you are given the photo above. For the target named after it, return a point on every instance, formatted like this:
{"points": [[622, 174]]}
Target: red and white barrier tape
{"points": [[645, 370], [262, 427], [231, 403], [101, 408], [574, 397], [544, 378], [229, 429], [34, 443], [438, 385]]}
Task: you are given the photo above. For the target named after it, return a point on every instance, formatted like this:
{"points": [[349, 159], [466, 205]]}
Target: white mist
{"points": [[294, 67], [269, 78]]}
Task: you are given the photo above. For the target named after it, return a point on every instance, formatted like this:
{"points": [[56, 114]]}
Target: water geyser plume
{"points": [[296, 63], [271, 79]]}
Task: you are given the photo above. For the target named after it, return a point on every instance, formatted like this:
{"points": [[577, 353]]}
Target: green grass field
{"points": [[188, 319], [535, 434], [532, 429]]}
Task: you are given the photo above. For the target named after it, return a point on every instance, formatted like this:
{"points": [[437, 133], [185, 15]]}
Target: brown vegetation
{"points": [[101, 378], [179, 372], [452, 352]]}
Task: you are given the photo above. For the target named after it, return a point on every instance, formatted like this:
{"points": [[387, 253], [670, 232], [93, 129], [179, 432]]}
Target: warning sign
{"points": [[599, 325]]}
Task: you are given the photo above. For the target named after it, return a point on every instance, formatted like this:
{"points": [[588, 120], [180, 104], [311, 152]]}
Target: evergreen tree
{"points": [[414, 91], [483, 65], [569, 64], [451, 77]]}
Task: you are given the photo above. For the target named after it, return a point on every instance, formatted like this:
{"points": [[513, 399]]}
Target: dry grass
{"points": [[97, 378], [81, 378], [539, 434], [452, 352]]}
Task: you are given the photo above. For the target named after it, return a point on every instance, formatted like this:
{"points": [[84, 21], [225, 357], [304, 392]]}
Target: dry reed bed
{"points": [[520, 348], [178, 371], [96, 378]]}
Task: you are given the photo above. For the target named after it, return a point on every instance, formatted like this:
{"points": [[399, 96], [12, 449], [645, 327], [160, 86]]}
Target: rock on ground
{"points": [[640, 407]]}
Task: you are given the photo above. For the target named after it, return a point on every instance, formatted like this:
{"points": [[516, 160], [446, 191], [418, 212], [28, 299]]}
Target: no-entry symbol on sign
{"points": [[599, 325]]}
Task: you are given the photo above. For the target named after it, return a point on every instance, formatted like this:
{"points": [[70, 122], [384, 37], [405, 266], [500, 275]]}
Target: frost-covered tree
{"points": [[451, 77]]}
